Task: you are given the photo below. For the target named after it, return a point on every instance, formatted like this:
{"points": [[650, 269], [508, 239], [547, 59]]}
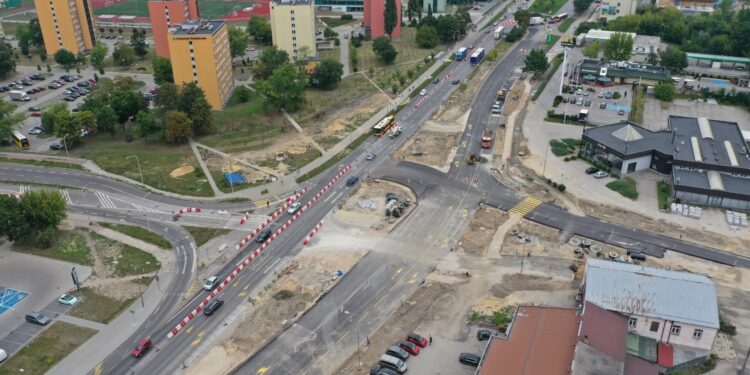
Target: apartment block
{"points": [[199, 51], [65, 24], [293, 26], [167, 13], [375, 18]]}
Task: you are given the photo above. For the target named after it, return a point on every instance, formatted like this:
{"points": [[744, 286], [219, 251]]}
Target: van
{"points": [[392, 363]]}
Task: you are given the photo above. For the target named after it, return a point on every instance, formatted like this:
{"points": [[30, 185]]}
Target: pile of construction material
{"points": [[394, 206], [585, 246], [686, 210], [737, 218]]}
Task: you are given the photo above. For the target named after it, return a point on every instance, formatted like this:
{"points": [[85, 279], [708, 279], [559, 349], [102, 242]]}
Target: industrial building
{"points": [[375, 19], [200, 53], [709, 160], [614, 73], [166, 13], [293, 26], [65, 24]]}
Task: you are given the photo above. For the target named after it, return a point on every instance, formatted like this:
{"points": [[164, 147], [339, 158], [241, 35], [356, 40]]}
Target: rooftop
{"points": [[628, 138], [710, 180], [197, 28], [290, 2], [624, 69], [709, 141], [703, 56], [603, 34], [541, 341], [652, 292]]}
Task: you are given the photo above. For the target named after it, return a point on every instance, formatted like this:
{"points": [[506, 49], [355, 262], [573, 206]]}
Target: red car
{"points": [[417, 339], [36, 114], [142, 347], [409, 346]]}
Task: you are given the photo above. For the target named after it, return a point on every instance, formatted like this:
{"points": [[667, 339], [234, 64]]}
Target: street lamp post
{"points": [[359, 352], [139, 166], [66, 150]]}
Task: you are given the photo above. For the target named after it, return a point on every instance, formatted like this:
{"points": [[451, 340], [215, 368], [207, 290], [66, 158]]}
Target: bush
{"points": [[561, 188], [616, 95], [557, 101], [347, 17], [726, 327]]}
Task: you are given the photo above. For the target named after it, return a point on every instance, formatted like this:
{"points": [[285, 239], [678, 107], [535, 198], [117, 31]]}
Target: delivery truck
{"points": [[461, 54], [477, 56], [19, 96], [498, 32]]}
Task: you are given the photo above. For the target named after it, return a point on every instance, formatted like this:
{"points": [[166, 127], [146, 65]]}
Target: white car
{"points": [[3, 355], [210, 283], [67, 299], [294, 208], [423, 92], [601, 174]]}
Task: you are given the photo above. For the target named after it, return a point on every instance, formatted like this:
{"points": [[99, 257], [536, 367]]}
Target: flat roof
{"points": [[711, 180], [625, 70], [605, 34], [197, 28], [705, 56], [542, 341], [712, 142]]}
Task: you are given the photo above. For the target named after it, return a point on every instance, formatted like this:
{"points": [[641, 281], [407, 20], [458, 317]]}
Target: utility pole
{"points": [[744, 363]]}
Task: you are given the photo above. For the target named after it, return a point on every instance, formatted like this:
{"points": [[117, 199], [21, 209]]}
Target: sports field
{"points": [[208, 8]]}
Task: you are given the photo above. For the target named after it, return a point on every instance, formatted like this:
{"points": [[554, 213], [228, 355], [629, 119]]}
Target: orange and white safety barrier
{"points": [[312, 233]]}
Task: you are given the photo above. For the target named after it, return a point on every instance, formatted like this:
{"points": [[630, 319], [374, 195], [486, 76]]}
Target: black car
{"points": [[351, 181], [69, 98], [456, 81], [263, 235], [484, 334], [56, 146], [34, 109], [591, 170], [212, 307], [469, 359]]}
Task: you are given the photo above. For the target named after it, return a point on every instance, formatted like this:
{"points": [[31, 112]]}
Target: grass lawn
{"points": [[98, 307], [546, 6], [203, 235], [565, 25], [564, 147], [245, 126], [636, 108], [139, 233], [22, 16], [321, 103], [42, 163], [139, 65], [334, 53], [69, 246], [157, 160], [134, 261], [47, 349], [664, 194], [139, 8], [336, 22], [334, 160], [625, 186]]}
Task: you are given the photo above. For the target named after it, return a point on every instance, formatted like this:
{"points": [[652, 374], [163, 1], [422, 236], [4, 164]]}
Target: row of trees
{"points": [[33, 218], [620, 46], [124, 54]]}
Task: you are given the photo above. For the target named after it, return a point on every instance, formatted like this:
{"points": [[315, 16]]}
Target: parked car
{"points": [[417, 339], [263, 235], [141, 348], [436, 81], [469, 359], [37, 318], [600, 94], [579, 101], [351, 181], [565, 99], [484, 334], [3, 355], [36, 114], [591, 170], [409, 346], [608, 95], [212, 306], [294, 208], [35, 130], [601, 174], [397, 352], [211, 283], [56, 146], [587, 102], [370, 156], [603, 105], [621, 112], [423, 92], [579, 92], [69, 98], [67, 299]]}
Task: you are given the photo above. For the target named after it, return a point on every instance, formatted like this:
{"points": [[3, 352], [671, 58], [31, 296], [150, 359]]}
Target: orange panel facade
{"points": [[166, 14]]}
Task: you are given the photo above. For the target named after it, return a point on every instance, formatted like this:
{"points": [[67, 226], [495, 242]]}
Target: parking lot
{"points": [[602, 104], [442, 356]]}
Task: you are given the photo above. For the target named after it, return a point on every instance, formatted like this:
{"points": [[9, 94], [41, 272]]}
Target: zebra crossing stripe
{"points": [[105, 200], [525, 206], [66, 195]]}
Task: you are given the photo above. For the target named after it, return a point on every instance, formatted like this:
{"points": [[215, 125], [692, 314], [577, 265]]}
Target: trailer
{"points": [[498, 32], [477, 56], [461, 54]]}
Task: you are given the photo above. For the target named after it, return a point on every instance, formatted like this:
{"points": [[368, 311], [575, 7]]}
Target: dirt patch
{"points": [[431, 148], [345, 120], [512, 101], [460, 101], [297, 287], [514, 282], [478, 235], [218, 163], [181, 171], [366, 207]]}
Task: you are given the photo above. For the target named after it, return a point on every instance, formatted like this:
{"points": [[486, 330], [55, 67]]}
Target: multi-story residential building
{"points": [[199, 51], [166, 13], [347, 6], [293, 26], [375, 19], [65, 24]]}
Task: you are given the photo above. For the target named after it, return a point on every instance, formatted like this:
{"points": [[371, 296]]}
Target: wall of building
{"points": [[374, 19], [293, 27], [663, 333], [437, 5], [73, 24], [166, 14], [712, 201], [641, 163]]}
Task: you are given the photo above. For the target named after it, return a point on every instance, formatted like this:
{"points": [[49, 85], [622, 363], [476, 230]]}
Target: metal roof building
{"points": [[652, 292]]}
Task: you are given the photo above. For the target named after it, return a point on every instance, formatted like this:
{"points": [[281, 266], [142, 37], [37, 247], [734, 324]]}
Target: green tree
{"points": [[11, 221], [22, 34], [146, 125], [664, 91], [166, 97], [652, 59], [35, 33], [674, 58], [162, 70], [328, 33], [581, 6], [8, 119], [238, 41], [67, 127], [448, 28], [270, 58], [285, 88], [327, 75], [427, 37], [429, 10], [353, 59], [259, 29], [390, 16], [515, 34], [65, 58], [243, 94], [384, 50], [49, 116], [536, 61], [177, 127], [618, 47], [35, 217], [138, 43], [123, 55], [85, 120], [192, 101], [126, 104], [98, 54], [106, 120], [592, 50], [7, 60], [523, 17]]}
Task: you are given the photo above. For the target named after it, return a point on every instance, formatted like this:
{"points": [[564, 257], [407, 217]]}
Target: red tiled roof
{"points": [[638, 366], [665, 355], [604, 331], [541, 341]]}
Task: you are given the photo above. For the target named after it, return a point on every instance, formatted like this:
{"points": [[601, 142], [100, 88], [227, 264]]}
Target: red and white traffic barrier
{"points": [[250, 258], [268, 221], [289, 201], [312, 233], [183, 211]]}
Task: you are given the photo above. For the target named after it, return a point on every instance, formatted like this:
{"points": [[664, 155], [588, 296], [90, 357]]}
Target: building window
{"points": [[697, 334], [291, 11], [294, 45], [654, 326], [676, 330], [294, 31], [294, 38], [293, 25], [632, 322]]}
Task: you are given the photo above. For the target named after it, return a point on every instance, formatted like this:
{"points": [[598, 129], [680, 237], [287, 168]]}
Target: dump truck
{"points": [[501, 94], [487, 139]]}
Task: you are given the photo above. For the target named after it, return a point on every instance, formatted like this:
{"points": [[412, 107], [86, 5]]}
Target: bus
{"points": [[384, 125], [20, 140], [560, 17]]}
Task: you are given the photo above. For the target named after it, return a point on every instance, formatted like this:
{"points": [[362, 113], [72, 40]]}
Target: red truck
{"points": [[487, 139]]}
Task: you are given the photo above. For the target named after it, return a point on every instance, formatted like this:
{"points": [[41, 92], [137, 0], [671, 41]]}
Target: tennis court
{"points": [[209, 9], [9, 298]]}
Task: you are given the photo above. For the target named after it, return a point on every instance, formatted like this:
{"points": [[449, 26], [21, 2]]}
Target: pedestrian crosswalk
{"points": [[262, 203], [525, 206], [66, 195], [105, 200]]}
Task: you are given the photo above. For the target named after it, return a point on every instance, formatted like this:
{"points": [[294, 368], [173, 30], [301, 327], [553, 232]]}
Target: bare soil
{"points": [[433, 145], [512, 101], [460, 101], [479, 234], [345, 120], [373, 192], [181, 171]]}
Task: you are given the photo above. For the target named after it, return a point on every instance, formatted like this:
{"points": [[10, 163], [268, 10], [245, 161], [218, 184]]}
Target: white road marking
{"points": [[184, 265], [65, 195], [104, 200]]}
